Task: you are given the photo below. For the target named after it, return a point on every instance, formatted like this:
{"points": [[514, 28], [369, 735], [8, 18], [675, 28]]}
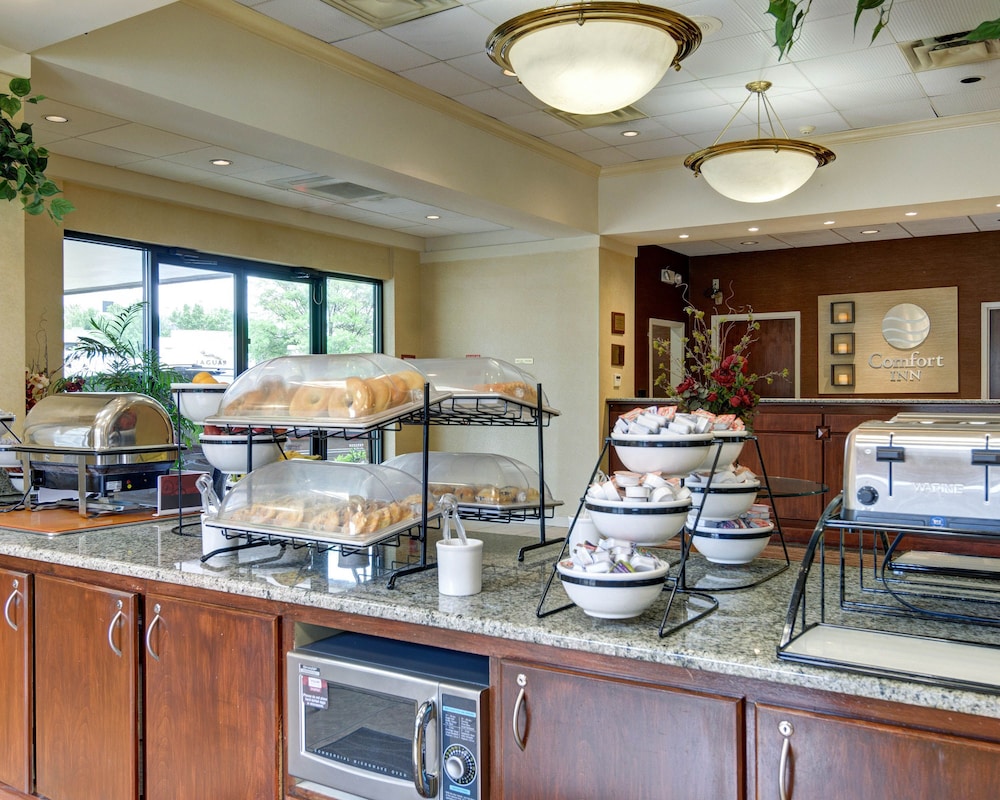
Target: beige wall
{"points": [[617, 295], [543, 306], [12, 307]]}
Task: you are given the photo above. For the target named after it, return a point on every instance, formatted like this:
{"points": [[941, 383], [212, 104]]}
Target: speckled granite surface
{"points": [[739, 639]]}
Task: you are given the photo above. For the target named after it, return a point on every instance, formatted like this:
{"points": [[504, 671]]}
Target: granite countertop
{"points": [[739, 639]]}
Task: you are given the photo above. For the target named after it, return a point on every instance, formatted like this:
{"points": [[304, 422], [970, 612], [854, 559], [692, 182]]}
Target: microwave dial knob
{"points": [[460, 764], [867, 495]]}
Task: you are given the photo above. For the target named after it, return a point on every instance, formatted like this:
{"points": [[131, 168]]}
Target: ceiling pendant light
{"points": [[592, 57], [762, 169]]}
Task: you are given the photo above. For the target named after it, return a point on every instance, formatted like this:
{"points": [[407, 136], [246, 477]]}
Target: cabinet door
{"points": [[86, 674], [211, 702], [597, 737], [834, 757], [15, 680]]}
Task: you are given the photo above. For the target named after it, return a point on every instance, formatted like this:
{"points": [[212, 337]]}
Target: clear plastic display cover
{"points": [[356, 389], [478, 480], [467, 378], [354, 504]]}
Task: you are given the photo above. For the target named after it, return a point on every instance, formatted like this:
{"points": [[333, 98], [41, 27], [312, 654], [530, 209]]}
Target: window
{"points": [[221, 315]]}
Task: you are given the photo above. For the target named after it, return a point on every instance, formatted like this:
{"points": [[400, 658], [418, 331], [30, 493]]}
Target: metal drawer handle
{"points": [[522, 681], [786, 730], [426, 782], [12, 600], [149, 632], [118, 617]]}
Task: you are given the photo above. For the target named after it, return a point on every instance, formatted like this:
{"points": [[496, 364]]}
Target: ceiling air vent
{"points": [[627, 114], [385, 13], [952, 50], [332, 189]]}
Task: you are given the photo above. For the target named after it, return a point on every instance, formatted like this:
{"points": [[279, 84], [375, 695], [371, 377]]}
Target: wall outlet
{"points": [[618, 381], [715, 285]]}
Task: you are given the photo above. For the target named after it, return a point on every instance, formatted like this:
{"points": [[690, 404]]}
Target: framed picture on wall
{"points": [[617, 323], [617, 355]]}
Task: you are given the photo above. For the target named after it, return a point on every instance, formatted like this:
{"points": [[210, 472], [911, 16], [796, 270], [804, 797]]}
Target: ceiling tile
{"points": [[444, 79], [201, 159], [938, 227], [168, 170], [92, 151], [81, 120], [752, 242], [924, 19], [658, 148], [862, 65], [967, 102], [495, 103], [381, 49], [730, 56], [695, 249], [886, 230], [877, 115], [314, 17], [949, 79], [817, 238], [575, 141], [676, 99], [142, 139], [448, 34], [987, 222], [538, 123], [892, 89], [608, 156]]}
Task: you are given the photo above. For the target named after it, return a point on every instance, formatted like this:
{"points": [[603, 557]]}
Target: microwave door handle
{"points": [[426, 782]]}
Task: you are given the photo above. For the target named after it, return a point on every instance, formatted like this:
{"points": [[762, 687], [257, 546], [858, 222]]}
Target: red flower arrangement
{"points": [[721, 384]]}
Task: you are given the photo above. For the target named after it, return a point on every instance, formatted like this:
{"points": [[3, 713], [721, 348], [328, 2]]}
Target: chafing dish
{"points": [[97, 442], [939, 471]]}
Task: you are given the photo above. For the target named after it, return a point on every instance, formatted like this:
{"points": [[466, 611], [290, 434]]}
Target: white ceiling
{"points": [[831, 83]]}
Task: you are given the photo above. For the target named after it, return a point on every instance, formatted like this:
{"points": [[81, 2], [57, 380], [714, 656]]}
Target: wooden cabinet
{"points": [[803, 756], [211, 702], [210, 705], [86, 679], [15, 678], [593, 736]]}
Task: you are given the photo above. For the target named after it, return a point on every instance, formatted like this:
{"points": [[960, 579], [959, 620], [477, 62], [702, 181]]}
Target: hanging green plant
{"points": [[790, 14], [22, 162]]}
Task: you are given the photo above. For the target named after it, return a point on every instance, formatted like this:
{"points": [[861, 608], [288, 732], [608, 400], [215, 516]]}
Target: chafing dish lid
{"points": [[481, 377], [97, 421]]}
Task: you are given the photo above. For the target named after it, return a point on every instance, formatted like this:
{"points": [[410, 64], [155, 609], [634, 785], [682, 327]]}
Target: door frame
{"points": [[676, 332], [984, 348]]}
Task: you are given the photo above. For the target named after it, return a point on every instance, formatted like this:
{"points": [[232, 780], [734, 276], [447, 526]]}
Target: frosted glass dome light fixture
{"points": [[762, 169], [592, 57]]}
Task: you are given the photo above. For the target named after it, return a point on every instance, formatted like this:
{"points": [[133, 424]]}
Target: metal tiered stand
{"points": [[489, 409], [385, 422], [698, 603], [918, 614]]}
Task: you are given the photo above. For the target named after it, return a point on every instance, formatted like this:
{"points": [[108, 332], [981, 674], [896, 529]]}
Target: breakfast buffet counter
{"points": [[737, 640]]}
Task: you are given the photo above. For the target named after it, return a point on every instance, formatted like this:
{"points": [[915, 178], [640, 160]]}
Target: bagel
{"points": [[272, 394], [410, 379], [381, 390], [359, 397], [309, 401]]}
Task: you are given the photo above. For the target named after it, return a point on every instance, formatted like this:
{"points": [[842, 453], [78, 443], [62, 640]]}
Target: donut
{"points": [[309, 401], [359, 396]]}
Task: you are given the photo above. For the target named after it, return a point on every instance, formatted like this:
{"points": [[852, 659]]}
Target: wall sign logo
{"points": [[906, 326]]}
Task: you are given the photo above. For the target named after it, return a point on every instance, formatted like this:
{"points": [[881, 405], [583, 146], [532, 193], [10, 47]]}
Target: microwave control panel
{"points": [[461, 755]]}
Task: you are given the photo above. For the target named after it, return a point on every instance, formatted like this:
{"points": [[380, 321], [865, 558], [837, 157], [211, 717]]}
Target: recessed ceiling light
{"points": [[830, 222], [684, 236], [911, 213], [433, 216], [221, 162], [750, 242], [869, 232], [971, 79], [58, 118], [753, 230], [630, 133]]}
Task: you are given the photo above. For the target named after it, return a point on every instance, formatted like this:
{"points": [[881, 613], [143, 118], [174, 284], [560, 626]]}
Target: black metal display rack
{"points": [[916, 614], [689, 602], [347, 431], [490, 410]]}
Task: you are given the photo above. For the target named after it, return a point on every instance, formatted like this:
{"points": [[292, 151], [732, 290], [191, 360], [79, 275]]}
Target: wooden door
{"points": [[596, 737], [15, 680], [86, 677], [834, 757], [211, 702]]}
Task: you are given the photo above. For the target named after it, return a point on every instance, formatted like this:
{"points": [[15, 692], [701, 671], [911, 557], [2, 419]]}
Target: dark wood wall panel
{"points": [[654, 300], [791, 280]]}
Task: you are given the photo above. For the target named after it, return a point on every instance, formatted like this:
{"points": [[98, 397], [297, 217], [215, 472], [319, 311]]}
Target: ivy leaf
{"points": [[48, 188], [986, 30], [20, 86], [60, 207], [9, 105]]}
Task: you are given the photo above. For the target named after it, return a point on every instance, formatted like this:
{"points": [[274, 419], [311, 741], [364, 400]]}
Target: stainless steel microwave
{"points": [[378, 719]]}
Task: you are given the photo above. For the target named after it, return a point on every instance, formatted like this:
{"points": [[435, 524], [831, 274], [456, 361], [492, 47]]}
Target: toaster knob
{"points": [[867, 495]]}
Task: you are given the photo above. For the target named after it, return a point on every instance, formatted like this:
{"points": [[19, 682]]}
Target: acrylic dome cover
{"points": [[479, 377], [323, 389], [349, 503], [476, 479]]}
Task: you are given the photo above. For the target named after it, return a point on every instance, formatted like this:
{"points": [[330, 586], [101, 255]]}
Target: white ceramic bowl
{"points": [[199, 401], [731, 545], [613, 595], [731, 446], [672, 455], [642, 523], [228, 452], [724, 501]]}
